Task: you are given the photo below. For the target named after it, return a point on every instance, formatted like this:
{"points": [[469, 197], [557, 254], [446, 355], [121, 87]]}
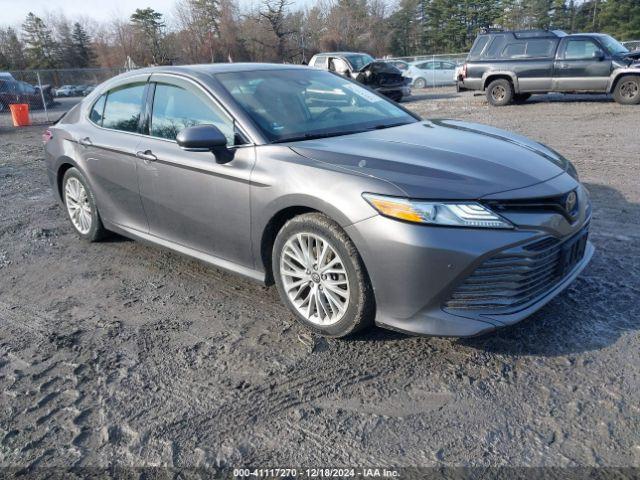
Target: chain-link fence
{"points": [[42, 96], [632, 45], [430, 70]]}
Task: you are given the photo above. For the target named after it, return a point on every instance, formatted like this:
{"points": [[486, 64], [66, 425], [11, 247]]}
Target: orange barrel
{"points": [[20, 114]]}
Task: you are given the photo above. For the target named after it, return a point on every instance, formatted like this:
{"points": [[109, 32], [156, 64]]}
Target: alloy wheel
{"points": [[78, 206], [314, 278]]}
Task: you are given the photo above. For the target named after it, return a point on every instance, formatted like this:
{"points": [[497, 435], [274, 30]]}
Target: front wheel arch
{"points": [[362, 305]]}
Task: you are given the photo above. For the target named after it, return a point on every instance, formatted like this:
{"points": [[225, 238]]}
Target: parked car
{"points": [[69, 91], [510, 66], [431, 73], [378, 75], [399, 64], [358, 213], [14, 91], [87, 90]]}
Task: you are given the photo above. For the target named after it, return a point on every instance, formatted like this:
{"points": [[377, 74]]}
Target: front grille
{"points": [[516, 277], [555, 204]]}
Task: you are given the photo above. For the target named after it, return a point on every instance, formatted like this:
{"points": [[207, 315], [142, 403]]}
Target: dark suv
{"points": [[510, 66]]}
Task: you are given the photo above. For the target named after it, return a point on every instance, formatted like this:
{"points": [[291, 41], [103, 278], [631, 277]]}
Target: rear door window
{"points": [[540, 48], [320, 62], [123, 107], [97, 110]]}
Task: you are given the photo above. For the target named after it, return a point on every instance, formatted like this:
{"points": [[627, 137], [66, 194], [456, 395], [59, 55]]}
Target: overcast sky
{"points": [[14, 11]]}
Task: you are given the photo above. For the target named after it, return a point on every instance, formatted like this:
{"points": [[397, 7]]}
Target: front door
{"points": [[582, 65], [193, 198]]}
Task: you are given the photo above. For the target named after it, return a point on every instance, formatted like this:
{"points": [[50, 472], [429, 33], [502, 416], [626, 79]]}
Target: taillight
{"points": [[464, 71], [46, 136]]}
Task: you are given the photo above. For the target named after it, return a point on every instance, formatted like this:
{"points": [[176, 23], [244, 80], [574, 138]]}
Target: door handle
{"points": [[85, 142], [564, 65], [147, 156]]}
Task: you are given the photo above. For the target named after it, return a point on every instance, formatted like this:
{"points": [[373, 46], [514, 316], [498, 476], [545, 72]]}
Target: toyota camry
{"points": [[358, 210]]}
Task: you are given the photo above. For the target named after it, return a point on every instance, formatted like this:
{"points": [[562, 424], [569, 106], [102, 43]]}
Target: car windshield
{"points": [[358, 62], [300, 104], [612, 45]]}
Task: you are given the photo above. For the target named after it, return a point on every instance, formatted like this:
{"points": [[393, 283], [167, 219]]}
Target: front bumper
{"points": [[415, 269]]}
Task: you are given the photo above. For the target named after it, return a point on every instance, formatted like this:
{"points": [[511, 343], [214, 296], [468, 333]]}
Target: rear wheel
{"points": [[320, 276], [627, 91], [81, 206], [420, 83], [500, 92]]}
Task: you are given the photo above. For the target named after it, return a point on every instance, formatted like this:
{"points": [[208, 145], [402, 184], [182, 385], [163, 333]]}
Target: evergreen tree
{"points": [[64, 46], [621, 19], [83, 53], [40, 49], [150, 26], [11, 51]]}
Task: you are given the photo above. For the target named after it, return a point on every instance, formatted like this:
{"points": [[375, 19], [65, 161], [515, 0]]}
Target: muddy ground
{"points": [[119, 353]]}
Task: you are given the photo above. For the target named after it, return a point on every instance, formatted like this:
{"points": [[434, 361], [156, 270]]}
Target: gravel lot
{"points": [[120, 353]]}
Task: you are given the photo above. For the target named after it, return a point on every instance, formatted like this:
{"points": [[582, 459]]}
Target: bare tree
{"points": [[274, 14]]}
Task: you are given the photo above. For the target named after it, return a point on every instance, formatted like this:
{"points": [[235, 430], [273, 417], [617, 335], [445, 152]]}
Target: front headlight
{"points": [[454, 214]]}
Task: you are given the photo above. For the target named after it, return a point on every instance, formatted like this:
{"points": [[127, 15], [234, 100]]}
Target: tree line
{"points": [[198, 31]]}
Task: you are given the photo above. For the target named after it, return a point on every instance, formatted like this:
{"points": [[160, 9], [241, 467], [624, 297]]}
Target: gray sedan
{"points": [[358, 210]]}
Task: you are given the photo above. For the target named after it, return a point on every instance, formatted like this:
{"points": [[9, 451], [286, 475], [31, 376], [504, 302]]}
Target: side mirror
{"points": [[201, 138], [598, 55]]}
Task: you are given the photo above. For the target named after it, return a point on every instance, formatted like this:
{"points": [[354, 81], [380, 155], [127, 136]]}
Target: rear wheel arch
{"points": [[496, 76], [62, 169]]}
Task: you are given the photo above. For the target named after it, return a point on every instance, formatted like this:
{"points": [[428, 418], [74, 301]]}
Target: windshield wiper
{"points": [[314, 136], [389, 125]]}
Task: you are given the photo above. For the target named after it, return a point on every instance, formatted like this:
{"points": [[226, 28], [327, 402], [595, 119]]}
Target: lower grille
{"points": [[516, 277]]}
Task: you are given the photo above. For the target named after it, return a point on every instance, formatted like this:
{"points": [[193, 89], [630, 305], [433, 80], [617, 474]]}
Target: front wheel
{"points": [[627, 91], [320, 276], [81, 206]]}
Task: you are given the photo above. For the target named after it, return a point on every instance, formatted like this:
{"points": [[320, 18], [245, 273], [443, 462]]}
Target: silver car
{"points": [[431, 73], [358, 210]]}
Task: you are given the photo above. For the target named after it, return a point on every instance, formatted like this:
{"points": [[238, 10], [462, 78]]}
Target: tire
{"points": [[305, 281], [78, 197], [420, 83], [395, 96], [627, 91], [500, 92], [521, 98]]}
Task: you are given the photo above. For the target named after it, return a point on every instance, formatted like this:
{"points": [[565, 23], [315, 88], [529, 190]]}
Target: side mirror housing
{"points": [[598, 55], [201, 138]]}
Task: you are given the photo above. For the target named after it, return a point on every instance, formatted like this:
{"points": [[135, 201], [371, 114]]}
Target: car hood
{"points": [[441, 159]]}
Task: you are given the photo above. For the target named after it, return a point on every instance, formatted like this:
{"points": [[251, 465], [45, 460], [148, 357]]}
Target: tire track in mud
{"points": [[63, 393]]}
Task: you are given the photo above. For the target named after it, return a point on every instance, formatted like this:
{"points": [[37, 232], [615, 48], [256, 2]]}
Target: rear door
{"points": [[581, 65], [193, 198], [108, 144]]}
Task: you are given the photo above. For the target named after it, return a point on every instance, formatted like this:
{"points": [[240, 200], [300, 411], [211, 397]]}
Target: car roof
{"points": [[342, 53], [214, 68]]}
